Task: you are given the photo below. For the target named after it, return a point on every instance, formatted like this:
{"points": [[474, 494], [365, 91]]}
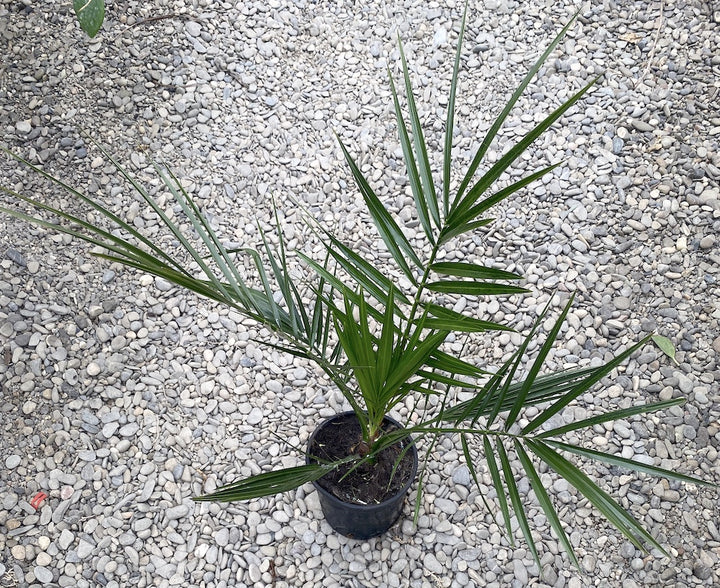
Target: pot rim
{"points": [[363, 507]]}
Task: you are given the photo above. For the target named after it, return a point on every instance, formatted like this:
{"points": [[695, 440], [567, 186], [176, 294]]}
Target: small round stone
{"points": [[43, 575], [707, 242], [23, 126], [18, 552], [12, 461], [93, 369]]}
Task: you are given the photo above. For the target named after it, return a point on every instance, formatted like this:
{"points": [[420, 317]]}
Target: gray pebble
{"points": [[65, 540], [707, 242], [461, 475], [109, 429], [147, 490], [702, 571], [227, 407], [254, 573], [520, 571], [642, 126], [12, 461], [447, 506], [431, 564], [264, 539], [43, 575], [627, 550], [23, 126], [15, 256], [129, 430], [177, 512], [222, 537], [193, 28], [255, 417], [118, 343], [9, 500], [684, 383], [93, 369], [84, 549], [622, 302]]}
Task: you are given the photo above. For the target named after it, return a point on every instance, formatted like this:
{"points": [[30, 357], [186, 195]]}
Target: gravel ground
{"points": [[123, 397]]}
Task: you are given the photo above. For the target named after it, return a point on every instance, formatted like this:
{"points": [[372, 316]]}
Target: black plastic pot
{"points": [[362, 521]]}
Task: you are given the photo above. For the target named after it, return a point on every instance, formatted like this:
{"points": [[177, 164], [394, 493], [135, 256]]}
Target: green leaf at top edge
{"points": [[90, 15], [492, 133], [450, 120]]}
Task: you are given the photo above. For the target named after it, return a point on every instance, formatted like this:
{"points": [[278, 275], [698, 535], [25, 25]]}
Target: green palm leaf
{"points": [[507, 373], [208, 236], [471, 270], [441, 313], [450, 120], [464, 222], [612, 511], [547, 388], [492, 132], [116, 220], [545, 503], [471, 469], [441, 360], [421, 205], [516, 501], [628, 464], [537, 365], [452, 230], [512, 154], [385, 347], [581, 387], [357, 343], [499, 487], [269, 483], [427, 192], [622, 413], [391, 234], [411, 360], [463, 324], [363, 272], [474, 288]]}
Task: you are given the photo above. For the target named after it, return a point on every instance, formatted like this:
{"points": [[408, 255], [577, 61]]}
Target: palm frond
{"points": [[610, 509], [493, 131], [269, 483], [394, 238], [450, 119], [427, 185]]}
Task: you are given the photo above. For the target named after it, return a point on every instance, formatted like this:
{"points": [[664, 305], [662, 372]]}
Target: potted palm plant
{"points": [[382, 340]]}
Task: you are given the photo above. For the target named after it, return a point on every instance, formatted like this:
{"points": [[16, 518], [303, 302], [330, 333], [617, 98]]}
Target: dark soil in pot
{"points": [[370, 483]]}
